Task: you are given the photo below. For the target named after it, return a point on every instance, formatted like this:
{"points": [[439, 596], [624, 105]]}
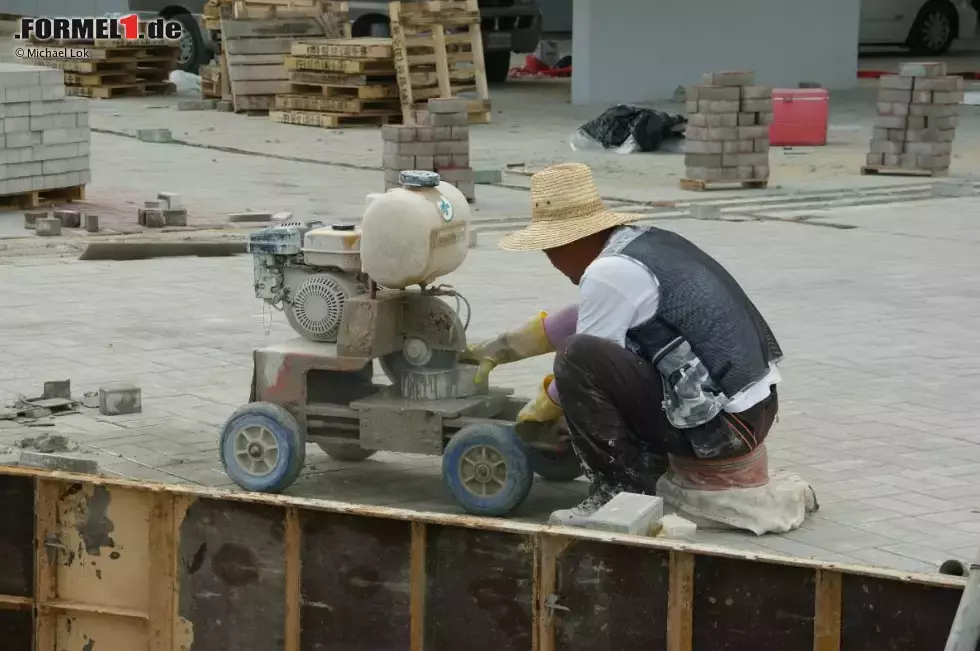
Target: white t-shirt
{"points": [[617, 293]]}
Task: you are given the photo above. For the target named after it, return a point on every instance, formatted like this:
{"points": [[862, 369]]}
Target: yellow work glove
{"points": [[530, 340], [541, 408]]}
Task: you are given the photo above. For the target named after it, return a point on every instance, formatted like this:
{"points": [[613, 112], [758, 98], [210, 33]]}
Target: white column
{"points": [[642, 50]]}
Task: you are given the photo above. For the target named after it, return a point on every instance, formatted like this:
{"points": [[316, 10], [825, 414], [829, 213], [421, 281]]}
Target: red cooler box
{"points": [[799, 117]]}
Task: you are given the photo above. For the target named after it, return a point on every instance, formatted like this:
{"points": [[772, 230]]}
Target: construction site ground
{"points": [[870, 282]]}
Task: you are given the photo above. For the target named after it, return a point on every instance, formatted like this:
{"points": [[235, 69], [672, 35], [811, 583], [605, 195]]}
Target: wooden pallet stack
{"points": [[438, 51], [255, 40], [210, 81], [340, 83], [107, 68]]}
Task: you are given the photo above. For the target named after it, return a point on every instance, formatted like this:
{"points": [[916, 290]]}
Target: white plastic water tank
{"points": [[415, 234]]}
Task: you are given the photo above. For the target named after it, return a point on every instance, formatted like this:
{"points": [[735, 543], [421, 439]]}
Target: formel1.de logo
{"points": [[88, 29]]}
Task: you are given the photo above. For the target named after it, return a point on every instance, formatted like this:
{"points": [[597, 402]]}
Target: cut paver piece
{"points": [[91, 223], [59, 462], [120, 399], [155, 135], [31, 216], [48, 227]]}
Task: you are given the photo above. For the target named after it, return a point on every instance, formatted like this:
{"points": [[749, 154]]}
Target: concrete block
{"points": [[921, 97], [456, 174], [13, 125], [703, 160], [713, 93], [755, 106], [756, 92], [449, 120], [760, 172], [916, 122], [178, 217], [48, 226], [392, 176], [239, 217], [155, 135], [120, 399], [888, 96], [59, 136], [423, 119], [153, 218], [442, 160], [940, 84], [728, 78], [737, 146], [197, 104], [170, 200], [31, 216], [424, 134], [875, 159], [929, 110], [442, 133], [930, 135], [891, 160], [69, 218], [949, 123], [704, 146], [751, 133], [933, 161], [891, 122], [224, 106], [283, 216], [747, 119], [398, 133], [928, 148], [57, 389], [18, 110], [461, 160], [57, 121], [91, 223], [418, 148], [705, 173], [447, 106], [713, 119], [628, 513], [893, 108], [425, 163], [488, 176], [59, 462], [674, 527], [23, 139], [459, 133], [951, 97], [922, 69], [398, 161], [761, 145], [718, 106], [886, 147]]}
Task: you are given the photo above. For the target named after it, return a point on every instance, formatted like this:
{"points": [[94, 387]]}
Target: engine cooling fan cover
{"points": [[314, 309]]}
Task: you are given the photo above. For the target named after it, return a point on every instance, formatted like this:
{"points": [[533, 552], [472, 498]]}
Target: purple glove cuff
{"points": [[561, 325], [552, 392]]}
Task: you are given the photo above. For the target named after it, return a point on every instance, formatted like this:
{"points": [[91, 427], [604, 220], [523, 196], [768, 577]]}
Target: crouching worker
{"points": [[665, 372]]}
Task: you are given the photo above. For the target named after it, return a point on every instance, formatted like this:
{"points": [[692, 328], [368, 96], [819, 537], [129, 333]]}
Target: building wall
{"points": [[641, 50]]}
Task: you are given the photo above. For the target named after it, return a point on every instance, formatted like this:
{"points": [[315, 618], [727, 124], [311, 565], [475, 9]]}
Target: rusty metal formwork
{"points": [[92, 564]]}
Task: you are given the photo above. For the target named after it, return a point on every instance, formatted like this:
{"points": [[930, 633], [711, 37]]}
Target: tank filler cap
{"points": [[418, 179], [343, 227]]}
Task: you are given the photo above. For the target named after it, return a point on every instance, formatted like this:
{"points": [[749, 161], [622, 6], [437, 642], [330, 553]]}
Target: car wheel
{"points": [[934, 29], [498, 66], [191, 45]]}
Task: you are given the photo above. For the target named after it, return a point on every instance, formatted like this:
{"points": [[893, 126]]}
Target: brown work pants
{"points": [[612, 400]]}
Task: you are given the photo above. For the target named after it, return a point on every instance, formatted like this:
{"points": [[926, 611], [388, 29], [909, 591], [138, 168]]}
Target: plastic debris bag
{"points": [[185, 83], [627, 129]]}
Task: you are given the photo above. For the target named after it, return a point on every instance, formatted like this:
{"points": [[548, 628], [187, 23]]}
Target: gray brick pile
{"points": [[917, 117], [439, 142], [45, 140], [728, 128]]}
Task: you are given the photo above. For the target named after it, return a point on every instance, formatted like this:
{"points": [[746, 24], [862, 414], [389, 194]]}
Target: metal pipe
{"points": [[965, 632]]}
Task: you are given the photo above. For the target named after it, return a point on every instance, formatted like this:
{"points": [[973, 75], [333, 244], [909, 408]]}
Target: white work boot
{"points": [[577, 515]]}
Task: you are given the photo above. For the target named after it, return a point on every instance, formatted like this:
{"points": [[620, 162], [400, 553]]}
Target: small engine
{"points": [[308, 271]]}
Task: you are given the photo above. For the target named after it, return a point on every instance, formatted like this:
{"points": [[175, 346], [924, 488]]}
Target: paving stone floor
{"points": [[878, 324]]}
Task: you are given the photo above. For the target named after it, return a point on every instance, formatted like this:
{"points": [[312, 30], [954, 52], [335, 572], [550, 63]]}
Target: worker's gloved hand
{"points": [[530, 340], [541, 408]]}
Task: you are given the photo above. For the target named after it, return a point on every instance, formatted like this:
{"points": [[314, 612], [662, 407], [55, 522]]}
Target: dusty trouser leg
{"points": [[612, 404]]}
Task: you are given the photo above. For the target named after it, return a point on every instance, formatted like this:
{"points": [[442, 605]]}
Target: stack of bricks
{"points": [[438, 142], [916, 123], [727, 137], [46, 136]]}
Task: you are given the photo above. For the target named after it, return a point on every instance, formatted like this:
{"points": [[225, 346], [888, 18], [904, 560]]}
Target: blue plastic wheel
{"points": [[486, 468], [263, 448]]}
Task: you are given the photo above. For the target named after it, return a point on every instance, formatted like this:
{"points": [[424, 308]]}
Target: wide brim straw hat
{"points": [[565, 207]]}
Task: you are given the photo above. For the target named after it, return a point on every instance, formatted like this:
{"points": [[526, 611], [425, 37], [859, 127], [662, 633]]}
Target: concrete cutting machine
{"points": [[360, 294]]}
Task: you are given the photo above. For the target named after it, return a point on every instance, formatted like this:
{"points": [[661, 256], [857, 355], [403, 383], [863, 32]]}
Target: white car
{"points": [[926, 28]]}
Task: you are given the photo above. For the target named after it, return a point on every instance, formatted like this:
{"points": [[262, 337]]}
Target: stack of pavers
{"points": [[916, 123], [438, 142], [727, 138], [340, 82], [45, 145]]}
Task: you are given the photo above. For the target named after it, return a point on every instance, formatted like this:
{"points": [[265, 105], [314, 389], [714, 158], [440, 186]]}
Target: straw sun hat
{"points": [[565, 207]]}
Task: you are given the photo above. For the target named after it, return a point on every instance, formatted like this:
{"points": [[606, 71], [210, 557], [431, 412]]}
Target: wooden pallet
{"points": [[210, 81], [95, 67], [329, 120], [871, 170], [341, 105], [36, 198], [421, 43], [350, 91], [699, 185], [254, 51], [110, 91]]}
